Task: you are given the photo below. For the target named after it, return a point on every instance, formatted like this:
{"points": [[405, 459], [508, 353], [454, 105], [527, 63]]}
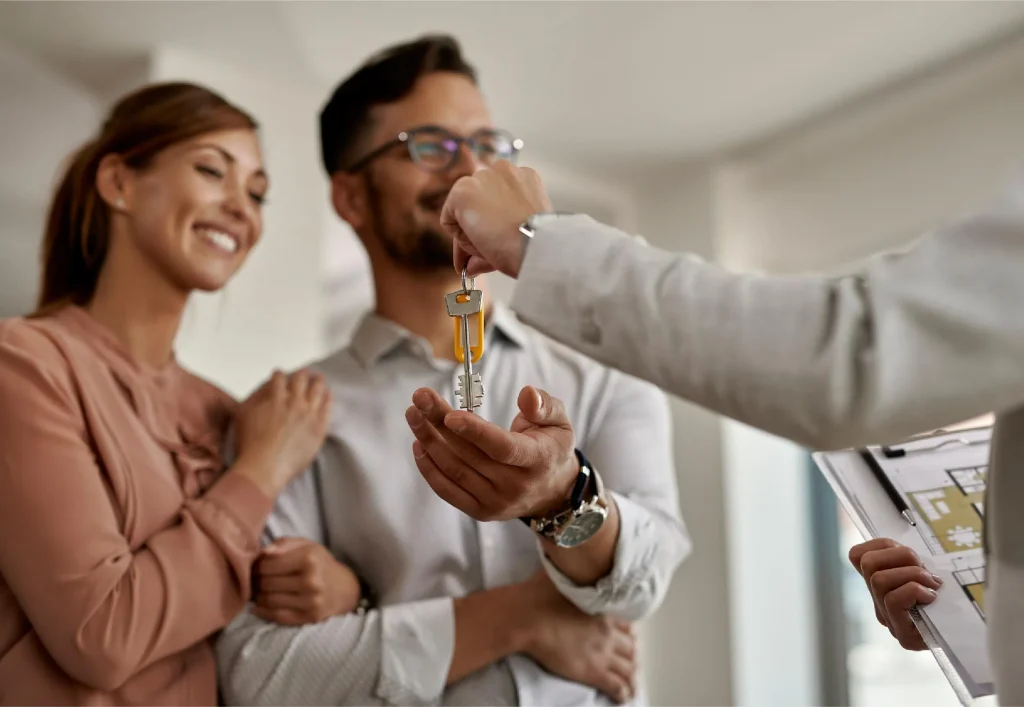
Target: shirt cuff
{"points": [[628, 589], [417, 646], [238, 500]]}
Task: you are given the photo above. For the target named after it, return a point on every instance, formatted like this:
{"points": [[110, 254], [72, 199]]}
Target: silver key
{"points": [[471, 387]]}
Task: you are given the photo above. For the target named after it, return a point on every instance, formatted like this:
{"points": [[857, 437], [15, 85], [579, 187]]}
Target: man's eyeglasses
{"points": [[435, 149]]}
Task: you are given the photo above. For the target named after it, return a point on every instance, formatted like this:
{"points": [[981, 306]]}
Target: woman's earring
{"points": [[119, 203]]}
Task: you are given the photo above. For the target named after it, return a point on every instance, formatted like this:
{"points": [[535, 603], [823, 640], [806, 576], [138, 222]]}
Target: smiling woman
{"points": [[125, 540], [166, 156]]}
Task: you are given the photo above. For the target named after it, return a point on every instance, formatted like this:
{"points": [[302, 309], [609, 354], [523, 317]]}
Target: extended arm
{"points": [[913, 342]]}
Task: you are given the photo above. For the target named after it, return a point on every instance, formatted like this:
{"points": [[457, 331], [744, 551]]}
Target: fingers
{"points": [[271, 564], [434, 408], [284, 545], [619, 675], [857, 552], [880, 555], [284, 600], [505, 169], [317, 391], [477, 266], [622, 678], [278, 384], [898, 604], [624, 642], [445, 489], [885, 581], [298, 384], [284, 617], [897, 581], [463, 250], [888, 559], [539, 407], [460, 256], [285, 583], [430, 403], [324, 411], [445, 459], [451, 207], [499, 445]]}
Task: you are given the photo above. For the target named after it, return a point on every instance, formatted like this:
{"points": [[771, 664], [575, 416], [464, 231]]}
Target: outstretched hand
{"points": [[489, 473]]}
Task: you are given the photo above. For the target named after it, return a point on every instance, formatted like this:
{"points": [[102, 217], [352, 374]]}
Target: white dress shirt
{"points": [[366, 501]]}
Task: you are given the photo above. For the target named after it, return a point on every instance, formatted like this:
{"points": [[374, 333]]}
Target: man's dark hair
{"points": [[386, 77]]}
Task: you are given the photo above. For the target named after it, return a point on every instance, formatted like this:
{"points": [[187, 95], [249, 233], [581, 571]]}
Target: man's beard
{"points": [[419, 249]]}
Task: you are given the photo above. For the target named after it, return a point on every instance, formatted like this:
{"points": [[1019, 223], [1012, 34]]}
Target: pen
{"points": [[890, 490], [896, 452]]}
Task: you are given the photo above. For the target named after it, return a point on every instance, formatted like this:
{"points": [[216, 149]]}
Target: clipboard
{"points": [[941, 478]]}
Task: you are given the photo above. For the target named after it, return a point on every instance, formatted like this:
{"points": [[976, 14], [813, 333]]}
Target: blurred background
{"points": [[769, 136]]}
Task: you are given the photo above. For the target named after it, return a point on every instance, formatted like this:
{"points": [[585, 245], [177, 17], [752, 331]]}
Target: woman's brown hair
{"points": [[139, 127]]}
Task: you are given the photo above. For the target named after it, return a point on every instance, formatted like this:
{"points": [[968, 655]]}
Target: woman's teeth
{"points": [[219, 239]]}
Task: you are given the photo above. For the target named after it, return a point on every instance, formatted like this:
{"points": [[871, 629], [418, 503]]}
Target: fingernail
{"points": [[457, 424], [417, 449], [932, 591], [937, 578], [424, 402], [413, 417]]}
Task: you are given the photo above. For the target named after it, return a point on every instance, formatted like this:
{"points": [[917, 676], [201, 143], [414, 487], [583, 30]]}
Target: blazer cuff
{"points": [[562, 252]]}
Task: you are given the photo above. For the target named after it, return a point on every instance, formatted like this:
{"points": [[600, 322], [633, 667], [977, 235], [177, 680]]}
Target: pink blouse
{"points": [[123, 546]]}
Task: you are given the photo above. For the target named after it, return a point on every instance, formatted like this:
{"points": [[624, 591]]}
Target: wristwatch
{"points": [[585, 514]]}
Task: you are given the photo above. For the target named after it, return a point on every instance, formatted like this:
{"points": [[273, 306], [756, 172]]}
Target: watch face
{"points": [[581, 529]]}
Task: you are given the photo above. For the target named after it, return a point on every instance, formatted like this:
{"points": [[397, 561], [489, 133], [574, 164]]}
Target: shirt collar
{"points": [[376, 336]]}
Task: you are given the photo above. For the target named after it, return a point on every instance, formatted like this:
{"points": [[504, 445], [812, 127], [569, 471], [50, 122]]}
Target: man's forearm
{"points": [[490, 626], [589, 562]]}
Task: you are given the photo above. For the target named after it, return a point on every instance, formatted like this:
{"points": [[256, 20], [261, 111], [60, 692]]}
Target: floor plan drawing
{"points": [[954, 509], [928, 493], [971, 577]]}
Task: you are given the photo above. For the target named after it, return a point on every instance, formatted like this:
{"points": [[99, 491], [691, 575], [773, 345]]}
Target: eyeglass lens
{"points": [[437, 149]]}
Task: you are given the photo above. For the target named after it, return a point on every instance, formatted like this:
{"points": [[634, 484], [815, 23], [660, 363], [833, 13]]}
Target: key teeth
{"points": [[476, 390]]}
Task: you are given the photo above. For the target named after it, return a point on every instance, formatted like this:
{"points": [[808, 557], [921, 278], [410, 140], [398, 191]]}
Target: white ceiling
{"points": [[587, 82]]}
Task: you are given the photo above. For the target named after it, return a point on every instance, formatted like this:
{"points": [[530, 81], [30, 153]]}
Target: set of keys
{"points": [[467, 307]]}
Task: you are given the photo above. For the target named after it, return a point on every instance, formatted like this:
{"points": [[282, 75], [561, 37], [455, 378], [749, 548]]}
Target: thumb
{"points": [[541, 408], [461, 253], [283, 546], [477, 266]]}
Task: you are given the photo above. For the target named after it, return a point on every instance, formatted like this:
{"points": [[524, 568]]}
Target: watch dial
{"points": [[581, 529]]}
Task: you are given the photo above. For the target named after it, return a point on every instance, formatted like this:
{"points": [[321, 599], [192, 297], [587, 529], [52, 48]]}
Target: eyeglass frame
{"points": [[405, 136]]}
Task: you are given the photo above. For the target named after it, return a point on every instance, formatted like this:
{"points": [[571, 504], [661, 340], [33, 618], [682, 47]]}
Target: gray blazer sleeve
{"points": [[913, 342]]}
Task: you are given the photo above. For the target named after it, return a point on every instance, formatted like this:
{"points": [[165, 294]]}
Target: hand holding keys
{"points": [[466, 305]]}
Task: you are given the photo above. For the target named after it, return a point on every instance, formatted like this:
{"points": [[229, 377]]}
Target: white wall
{"points": [[686, 646], [44, 117], [880, 172]]}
